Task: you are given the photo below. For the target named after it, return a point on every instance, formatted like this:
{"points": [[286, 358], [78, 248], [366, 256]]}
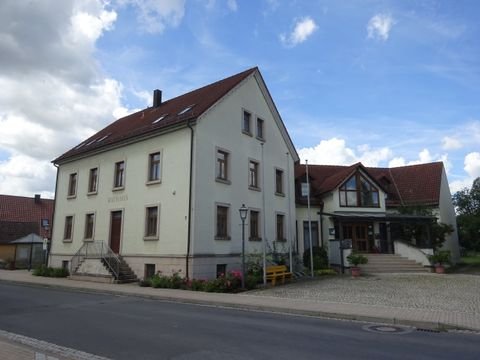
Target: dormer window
{"points": [[358, 192]]}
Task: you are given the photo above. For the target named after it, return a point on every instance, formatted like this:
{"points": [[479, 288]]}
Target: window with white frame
{"points": [[93, 181], [151, 222], [154, 166], [253, 174], [260, 129], [279, 181], [89, 226], [280, 227], [247, 122], [254, 225], [222, 165], [222, 226], [68, 231], [119, 176], [72, 185]]}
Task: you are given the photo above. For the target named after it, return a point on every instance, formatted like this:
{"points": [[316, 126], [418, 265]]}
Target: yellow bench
{"points": [[279, 272]]}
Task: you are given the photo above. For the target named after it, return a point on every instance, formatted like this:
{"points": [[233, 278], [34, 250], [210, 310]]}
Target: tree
{"points": [[467, 207]]}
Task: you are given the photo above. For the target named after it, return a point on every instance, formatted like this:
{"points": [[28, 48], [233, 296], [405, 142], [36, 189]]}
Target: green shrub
{"points": [[43, 270], [145, 282], [196, 285], [356, 259], [323, 272], [320, 258], [440, 257]]}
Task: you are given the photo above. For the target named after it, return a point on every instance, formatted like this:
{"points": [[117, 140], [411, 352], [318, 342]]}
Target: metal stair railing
{"points": [[97, 249]]}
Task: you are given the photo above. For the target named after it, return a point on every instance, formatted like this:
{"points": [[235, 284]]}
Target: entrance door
{"points": [[358, 233], [115, 231]]}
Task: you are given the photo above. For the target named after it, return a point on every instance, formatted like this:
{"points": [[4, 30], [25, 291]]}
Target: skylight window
{"points": [[79, 146], [188, 108], [91, 142], [103, 137], [160, 118]]}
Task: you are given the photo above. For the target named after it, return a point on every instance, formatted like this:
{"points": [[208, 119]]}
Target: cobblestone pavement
{"points": [[19, 347], [450, 293]]}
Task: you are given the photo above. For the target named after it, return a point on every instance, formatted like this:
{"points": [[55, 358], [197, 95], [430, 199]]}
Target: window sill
{"points": [[150, 238], [67, 240], [69, 197], [254, 188], [92, 193], [223, 181], [88, 240], [247, 133], [254, 239], [120, 188], [153, 182], [280, 194], [223, 238], [261, 139]]}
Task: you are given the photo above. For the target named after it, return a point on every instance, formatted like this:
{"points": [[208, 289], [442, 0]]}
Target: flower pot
{"points": [[439, 269], [355, 271]]}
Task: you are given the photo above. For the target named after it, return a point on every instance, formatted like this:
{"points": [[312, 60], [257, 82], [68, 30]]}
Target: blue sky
{"points": [[388, 83]]}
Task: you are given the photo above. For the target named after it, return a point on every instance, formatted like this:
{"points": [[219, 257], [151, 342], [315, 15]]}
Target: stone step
{"points": [[391, 263]]}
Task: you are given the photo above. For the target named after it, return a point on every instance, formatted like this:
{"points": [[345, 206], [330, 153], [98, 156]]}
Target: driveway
{"points": [[449, 293]]}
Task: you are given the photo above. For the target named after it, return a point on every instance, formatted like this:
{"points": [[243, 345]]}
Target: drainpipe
{"points": [[53, 216], [189, 225]]}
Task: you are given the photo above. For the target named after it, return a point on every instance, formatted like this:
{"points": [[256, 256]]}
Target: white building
{"points": [[162, 187], [363, 209]]}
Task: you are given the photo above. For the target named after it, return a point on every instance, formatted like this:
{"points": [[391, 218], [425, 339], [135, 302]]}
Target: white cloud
{"points": [[303, 29], [53, 92], [472, 164], [424, 157], [451, 143], [335, 152], [232, 5], [154, 16], [379, 26]]}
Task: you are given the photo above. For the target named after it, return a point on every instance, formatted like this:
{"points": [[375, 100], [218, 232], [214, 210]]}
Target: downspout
{"points": [[189, 225], [53, 215]]}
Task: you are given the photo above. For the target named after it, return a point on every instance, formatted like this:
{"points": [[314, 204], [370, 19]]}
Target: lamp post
{"points": [[243, 215]]}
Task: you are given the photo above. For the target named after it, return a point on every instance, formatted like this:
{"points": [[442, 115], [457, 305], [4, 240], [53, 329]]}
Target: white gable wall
{"points": [[221, 127]]}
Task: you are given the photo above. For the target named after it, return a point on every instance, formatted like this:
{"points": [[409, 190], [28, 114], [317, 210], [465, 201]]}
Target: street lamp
{"points": [[243, 215]]}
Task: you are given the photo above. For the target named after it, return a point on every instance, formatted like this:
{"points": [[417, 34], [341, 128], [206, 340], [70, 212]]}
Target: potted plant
{"points": [[355, 259], [438, 259]]}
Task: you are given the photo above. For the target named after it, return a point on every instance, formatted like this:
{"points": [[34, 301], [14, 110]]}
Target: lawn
{"points": [[469, 264], [472, 258]]}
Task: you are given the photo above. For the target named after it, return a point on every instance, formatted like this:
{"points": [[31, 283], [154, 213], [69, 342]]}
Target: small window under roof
{"points": [[160, 118], [188, 108]]}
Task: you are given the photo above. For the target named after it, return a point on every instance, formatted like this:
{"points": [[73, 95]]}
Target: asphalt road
{"points": [[121, 327]]}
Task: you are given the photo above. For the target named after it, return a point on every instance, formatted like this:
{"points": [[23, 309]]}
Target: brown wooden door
{"points": [[360, 237], [115, 231], [358, 233]]}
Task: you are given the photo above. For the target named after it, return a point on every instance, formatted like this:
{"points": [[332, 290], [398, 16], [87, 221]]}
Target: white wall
{"points": [[221, 127], [446, 215], [171, 194]]}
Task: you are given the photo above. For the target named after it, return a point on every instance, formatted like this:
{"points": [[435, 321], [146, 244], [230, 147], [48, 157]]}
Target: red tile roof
{"points": [[141, 122], [405, 185], [18, 209]]}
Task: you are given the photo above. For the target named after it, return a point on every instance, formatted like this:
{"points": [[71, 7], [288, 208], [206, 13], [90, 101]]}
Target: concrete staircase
{"points": [[391, 263], [98, 270]]}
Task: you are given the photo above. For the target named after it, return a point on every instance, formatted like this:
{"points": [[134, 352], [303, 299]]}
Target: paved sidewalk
{"points": [[271, 300], [19, 347]]}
